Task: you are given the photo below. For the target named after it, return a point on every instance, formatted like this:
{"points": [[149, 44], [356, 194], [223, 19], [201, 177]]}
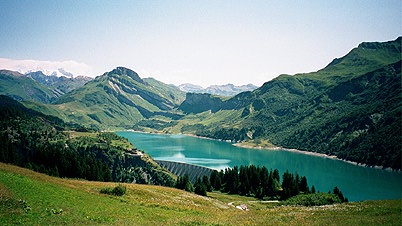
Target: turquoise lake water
{"points": [[356, 182]]}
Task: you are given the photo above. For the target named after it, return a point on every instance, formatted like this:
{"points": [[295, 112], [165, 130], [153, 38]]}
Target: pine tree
{"points": [[244, 184], [232, 180], [215, 180], [303, 186], [179, 183], [271, 186], [206, 183], [264, 175], [188, 186], [276, 175], [290, 185], [337, 192], [286, 185], [200, 188]]}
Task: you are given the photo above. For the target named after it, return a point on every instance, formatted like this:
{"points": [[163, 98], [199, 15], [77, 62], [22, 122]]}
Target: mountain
{"points": [[120, 99], [190, 88], [59, 72], [350, 109], [229, 89], [59, 85], [66, 68], [221, 90], [21, 87], [36, 86]]}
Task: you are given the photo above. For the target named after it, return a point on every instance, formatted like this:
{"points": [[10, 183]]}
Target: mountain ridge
{"points": [[339, 110], [221, 90], [20, 87], [120, 98], [346, 109], [60, 85]]}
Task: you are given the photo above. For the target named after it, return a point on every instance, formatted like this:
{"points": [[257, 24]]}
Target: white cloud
{"points": [[24, 66]]}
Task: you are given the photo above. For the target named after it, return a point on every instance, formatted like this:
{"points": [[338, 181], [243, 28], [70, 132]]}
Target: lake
{"points": [[356, 182]]}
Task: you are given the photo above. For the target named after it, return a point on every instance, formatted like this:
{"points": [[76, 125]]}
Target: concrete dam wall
{"points": [[180, 169]]}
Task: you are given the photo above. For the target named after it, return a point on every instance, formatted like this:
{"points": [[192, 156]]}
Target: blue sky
{"points": [[200, 42]]}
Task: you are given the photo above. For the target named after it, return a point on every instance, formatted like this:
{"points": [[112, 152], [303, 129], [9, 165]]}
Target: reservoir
{"points": [[356, 182]]}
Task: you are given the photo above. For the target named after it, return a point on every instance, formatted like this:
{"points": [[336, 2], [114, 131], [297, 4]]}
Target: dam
{"points": [[180, 169]]}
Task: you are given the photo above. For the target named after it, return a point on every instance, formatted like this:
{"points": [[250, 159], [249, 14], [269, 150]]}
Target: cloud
{"points": [[24, 66]]}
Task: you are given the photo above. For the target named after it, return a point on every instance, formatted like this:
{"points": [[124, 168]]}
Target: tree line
{"points": [[35, 141], [252, 181]]}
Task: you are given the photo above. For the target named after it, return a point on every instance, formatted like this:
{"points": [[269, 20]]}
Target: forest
{"points": [[39, 142], [260, 183]]}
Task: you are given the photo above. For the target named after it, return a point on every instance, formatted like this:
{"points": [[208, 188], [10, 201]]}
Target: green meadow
{"points": [[30, 198]]}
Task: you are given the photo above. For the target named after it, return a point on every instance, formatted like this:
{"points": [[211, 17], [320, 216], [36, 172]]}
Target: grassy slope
{"points": [[167, 91], [23, 88], [324, 111], [117, 101], [150, 205]]}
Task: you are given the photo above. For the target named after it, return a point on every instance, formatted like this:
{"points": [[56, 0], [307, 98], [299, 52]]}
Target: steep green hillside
{"points": [[21, 87], [351, 109], [119, 99], [37, 141], [29, 198]]}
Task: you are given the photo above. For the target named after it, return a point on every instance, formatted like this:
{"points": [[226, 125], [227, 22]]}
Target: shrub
{"points": [[318, 199], [119, 190]]}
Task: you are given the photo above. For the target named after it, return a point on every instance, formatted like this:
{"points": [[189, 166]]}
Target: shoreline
{"points": [[275, 148]]}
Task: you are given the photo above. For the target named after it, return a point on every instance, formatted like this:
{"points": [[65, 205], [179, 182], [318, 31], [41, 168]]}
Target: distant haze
{"points": [[47, 67], [197, 42]]}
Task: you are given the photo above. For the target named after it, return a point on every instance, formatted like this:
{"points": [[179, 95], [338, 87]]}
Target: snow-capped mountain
{"points": [[60, 72], [190, 88], [68, 69], [222, 90], [229, 89]]}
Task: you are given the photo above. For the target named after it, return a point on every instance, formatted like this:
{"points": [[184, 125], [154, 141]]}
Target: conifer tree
{"points": [[206, 183], [200, 188]]}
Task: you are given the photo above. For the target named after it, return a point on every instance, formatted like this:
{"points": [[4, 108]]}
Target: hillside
{"points": [[119, 99], [350, 109], [36, 86], [31, 198], [21, 87], [40, 142]]}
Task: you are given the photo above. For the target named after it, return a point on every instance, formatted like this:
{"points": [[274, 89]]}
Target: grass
{"points": [[257, 143], [75, 134], [116, 143], [56, 201]]}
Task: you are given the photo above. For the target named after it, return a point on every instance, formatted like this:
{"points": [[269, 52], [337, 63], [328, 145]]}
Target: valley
{"points": [[200, 112], [348, 109], [66, 127]]}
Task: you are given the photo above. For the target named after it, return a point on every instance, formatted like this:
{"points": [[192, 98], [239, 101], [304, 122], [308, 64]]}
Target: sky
{"points": [[200, 42]]}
